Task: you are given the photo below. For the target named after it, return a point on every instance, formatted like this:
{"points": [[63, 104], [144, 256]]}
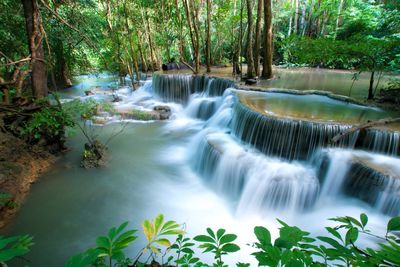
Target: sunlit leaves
{"points": [[156, 231]]}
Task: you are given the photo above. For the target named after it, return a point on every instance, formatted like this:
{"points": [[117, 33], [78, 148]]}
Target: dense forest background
{"points": [[50, 41]]}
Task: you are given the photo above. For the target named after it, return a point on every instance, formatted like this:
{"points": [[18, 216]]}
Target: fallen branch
{"points": [[369, 124]]}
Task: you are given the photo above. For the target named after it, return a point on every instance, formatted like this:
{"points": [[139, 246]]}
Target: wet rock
{"points": [[116, 98], [94, 155], [251, 81], [88, 92], [162, 112]]}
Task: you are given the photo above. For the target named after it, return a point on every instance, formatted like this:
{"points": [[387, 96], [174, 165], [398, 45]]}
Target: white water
{"points": [[153, 170]]}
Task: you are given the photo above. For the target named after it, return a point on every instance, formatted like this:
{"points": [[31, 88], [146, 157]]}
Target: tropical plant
{"points": [[109, 248], [217, 243], [156, 232], [294, 247], [13, 247]]}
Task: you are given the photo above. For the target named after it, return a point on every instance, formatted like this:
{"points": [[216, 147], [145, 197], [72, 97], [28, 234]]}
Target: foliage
{"points": [[217, 243], [293, 247], [140, 115], [109, 247], [7, 201], [156, 232], [49, 122], [13, 247]]}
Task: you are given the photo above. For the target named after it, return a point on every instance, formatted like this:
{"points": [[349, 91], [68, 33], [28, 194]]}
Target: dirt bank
{"points": [[20, 166]]}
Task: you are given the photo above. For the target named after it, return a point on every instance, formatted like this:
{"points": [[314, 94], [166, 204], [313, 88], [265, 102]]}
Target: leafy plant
{"points": [[182, 246], [294, 247], [156, 232], [109, 247], [218, 243], [7, 201], [15, 246]]}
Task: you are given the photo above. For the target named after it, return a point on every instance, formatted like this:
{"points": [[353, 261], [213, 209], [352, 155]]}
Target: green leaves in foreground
{"points": [[15, 246], [108, 248], [157, 230], [218, 243], [294, 247]]}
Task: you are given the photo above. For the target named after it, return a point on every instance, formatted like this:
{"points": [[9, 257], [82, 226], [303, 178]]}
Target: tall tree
{"points": [[208, 38], [267, 63], [250, 47], [35, 33], [258, 37]]}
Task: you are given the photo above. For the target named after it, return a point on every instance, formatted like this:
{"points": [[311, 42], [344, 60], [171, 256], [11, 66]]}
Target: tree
{"points": [[35, 34], [257, 46], [208, 38], [250, 58], [267, 63]]}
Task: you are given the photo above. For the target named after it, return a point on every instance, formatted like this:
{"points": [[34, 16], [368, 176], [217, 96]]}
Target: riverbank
{"points": [[20, 166]]}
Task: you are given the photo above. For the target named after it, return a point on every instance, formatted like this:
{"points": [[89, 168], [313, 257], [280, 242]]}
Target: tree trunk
{"points": [[267, 63], [141, 52], [338, 17], [208, 43], [241, 37], [250, 58], [258, 38], [35, 38], [290, 18], [371, 86], [296, 16], [154, 62], [311, 24]]}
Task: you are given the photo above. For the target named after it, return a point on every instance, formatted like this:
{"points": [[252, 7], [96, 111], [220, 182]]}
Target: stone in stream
{"points": [[251, 81], [88, 92], [94, 155], [162, 112]]}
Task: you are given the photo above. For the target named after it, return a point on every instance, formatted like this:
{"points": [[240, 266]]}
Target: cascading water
{"points": [[169, 167], [254, 180]]}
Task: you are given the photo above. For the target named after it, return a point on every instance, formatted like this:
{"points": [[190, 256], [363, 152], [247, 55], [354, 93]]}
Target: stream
{"points": [[206, 167]]}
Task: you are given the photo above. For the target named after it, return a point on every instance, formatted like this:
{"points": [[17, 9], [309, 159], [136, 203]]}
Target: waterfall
{"points": [[385, 142], [253, 180], [262, 162], [285, 138], [202, 107], [366, 176], [178, 88]]}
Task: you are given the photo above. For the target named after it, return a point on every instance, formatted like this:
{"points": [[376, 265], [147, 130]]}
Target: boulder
{"points": [[162, 112]]}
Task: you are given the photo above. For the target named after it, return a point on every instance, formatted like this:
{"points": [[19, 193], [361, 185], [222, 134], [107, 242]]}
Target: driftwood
{"points": [[369, 124]]}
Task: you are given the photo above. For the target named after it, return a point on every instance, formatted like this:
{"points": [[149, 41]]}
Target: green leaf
{"points": [[9, 254], [394, 224], [334, 232], [220, 233], [263, 235], [230, 247], [204, 238], [163, 242], [210, 232], [148, 230], [103, 242], [363, 219], [351, 235], [158, 223], [227, 238]]}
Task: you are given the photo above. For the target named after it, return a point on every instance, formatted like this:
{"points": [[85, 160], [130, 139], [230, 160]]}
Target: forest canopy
{"points": [[54, 40]]}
